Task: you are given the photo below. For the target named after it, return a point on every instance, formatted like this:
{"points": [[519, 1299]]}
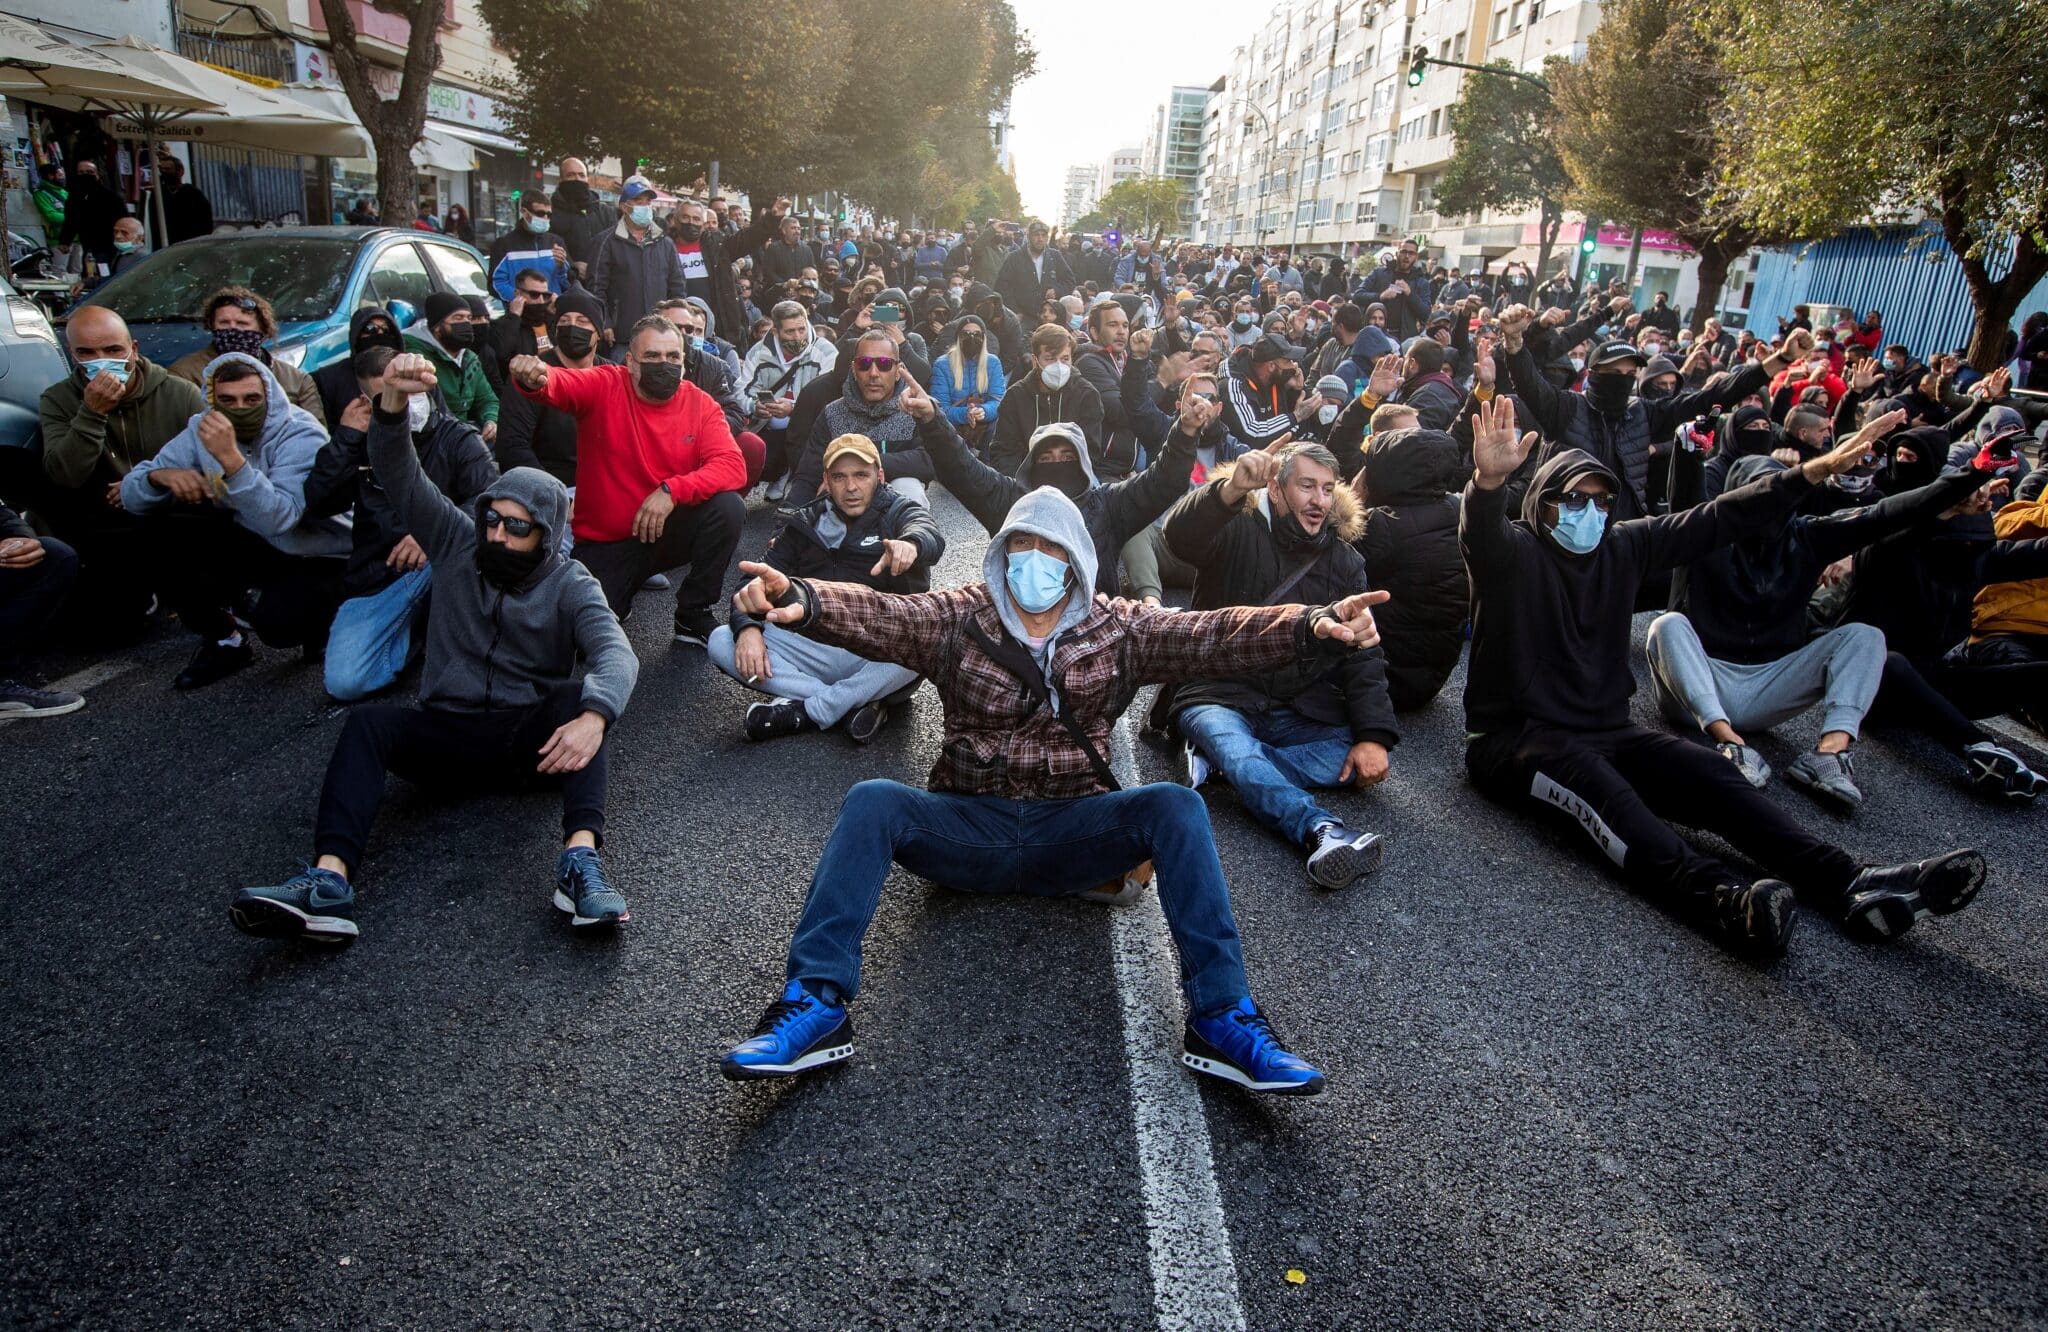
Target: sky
{"points": [[1068, 115]]}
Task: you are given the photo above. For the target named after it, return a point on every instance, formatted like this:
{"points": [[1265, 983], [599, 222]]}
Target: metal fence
{"points": [[1908, 274], [247, 187]]}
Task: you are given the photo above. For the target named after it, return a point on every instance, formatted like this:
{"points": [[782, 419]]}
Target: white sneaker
{"points": [[1336, 859], [1197, 766], [778, 489], [1747, 762]]}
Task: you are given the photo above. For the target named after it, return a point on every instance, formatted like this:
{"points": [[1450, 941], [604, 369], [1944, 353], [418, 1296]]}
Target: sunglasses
{"points": [[884, 363], [1575, 501], [518, 527]]}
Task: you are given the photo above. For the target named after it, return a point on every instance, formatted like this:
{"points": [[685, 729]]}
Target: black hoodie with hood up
{"points": [[1550, 629], [337, 379], [1410, 544]]}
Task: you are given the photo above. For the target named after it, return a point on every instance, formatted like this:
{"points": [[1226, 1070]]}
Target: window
{"points": [[1436, 122], [1425, 192], [459, 270], [1458, 48], [399, 274], [1304, 211], [1515, 17], [1500, 25], [1336, 117], [1368, 210], [1535, 10], [1325, 209], [1317, 84], [1444, 49]]}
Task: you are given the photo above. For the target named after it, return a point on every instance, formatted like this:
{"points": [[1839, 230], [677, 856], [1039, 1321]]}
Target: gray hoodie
{"points": [[1047, 513], [489, 649], [267, 494]]}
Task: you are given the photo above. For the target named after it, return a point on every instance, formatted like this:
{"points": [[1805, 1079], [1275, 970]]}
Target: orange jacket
{"points": [[2014, 608]]}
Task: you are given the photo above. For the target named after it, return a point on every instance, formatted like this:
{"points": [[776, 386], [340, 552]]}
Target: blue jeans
{"points": [[371, 637], [1044, 848], [1272, 758]]}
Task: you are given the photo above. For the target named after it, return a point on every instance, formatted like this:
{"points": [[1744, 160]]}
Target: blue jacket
{"points": [[953, 399], [518, 250], [1406, 316]]}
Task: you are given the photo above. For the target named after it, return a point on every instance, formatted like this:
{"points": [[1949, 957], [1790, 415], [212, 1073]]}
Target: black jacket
{"points": [[533, 434], [797, 550], [1023, 290], [452, 455], [1028, 404], [1551, 630], [776, 263], [1116, 452], [1410, 545], [631, 277], [1239, 560], [1747, 601], [581, 226], [1114, 511]]}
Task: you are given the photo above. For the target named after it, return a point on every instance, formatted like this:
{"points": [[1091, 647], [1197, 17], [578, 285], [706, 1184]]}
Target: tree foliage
{"points": [[1145, 203], [1907, 105], [1638, 130], [889, 101], [1506, 155]]}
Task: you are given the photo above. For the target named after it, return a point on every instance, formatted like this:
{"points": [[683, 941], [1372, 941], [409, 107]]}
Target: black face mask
{"points": [[660, 380], [1069, 478], [574, 341], [378, 335], [534, 314], [1657, 392], [505, 568], [575, 191], [971, 343], [1609, 394], [457, 336], [1294, 538], [688, 231]]}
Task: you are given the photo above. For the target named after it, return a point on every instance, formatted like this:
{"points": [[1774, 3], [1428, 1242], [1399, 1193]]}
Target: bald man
{"points": [[117, 409], [580, 216]]}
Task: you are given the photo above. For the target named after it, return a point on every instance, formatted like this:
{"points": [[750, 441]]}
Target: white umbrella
{"points": [[435, 150]]}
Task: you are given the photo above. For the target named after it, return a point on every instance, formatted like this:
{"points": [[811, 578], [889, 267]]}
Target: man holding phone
{"points": [[776, 370]]}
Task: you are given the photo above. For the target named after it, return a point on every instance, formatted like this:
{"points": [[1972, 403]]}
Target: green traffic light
{"points": [[1418, 66]]}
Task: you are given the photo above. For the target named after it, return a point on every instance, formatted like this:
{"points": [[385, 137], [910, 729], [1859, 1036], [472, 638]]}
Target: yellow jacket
{"points": [[2014, 608]]}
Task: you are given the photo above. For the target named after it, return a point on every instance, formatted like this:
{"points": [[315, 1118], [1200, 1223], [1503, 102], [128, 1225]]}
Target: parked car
{"points": [[313, 277], [29, 363]]}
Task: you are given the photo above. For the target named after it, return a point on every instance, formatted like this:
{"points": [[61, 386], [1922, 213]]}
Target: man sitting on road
{"points": [[533, 434], [387, 578], [35, 573], [1051, 391], [869, 404], [776, 370], [1547, 690], [1262, 404], [858, 531], [226, 504], [498, 703], [242, 321], [446, 334], [658, 473], [1269, 529], [1032, 670]]}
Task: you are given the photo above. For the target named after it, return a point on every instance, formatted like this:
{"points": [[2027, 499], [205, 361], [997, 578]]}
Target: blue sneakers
{"points": [[316, 905], [583, 892], [1238, 1046], [797, 1033]]}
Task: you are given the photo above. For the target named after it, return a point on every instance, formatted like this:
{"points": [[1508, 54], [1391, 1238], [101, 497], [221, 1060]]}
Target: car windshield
{"points": [[301, 276]]}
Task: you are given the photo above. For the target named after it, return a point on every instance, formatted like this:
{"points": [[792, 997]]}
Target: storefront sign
{"points": [[313, 65], [460, 107]]}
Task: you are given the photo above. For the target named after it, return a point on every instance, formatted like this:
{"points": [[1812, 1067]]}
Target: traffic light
{"points": [[1589, 241], [1418, 65]]}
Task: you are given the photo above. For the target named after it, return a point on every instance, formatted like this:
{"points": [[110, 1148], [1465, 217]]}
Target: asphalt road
{"points": [[1548, 1103]]}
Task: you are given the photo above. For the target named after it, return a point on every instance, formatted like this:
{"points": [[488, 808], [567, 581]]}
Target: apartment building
{"points": [[1122, 164], [1079, 198], [1173, 144]]}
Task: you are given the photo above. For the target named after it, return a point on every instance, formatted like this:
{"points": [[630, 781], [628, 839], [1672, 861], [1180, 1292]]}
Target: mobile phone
{"points": [[886, 313]]}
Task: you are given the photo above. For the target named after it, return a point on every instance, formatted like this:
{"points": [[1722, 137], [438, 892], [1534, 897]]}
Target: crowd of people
{"points": [[1348, 475]]}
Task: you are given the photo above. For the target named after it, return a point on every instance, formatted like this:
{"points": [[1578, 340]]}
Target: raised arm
{"points": [[442, 529]]}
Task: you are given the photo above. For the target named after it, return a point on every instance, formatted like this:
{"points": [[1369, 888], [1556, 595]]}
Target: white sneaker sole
{"points": [[10, 711], [831, 1054], [1216, 1068], [565, 904], [1342, 865], [275, 920]]}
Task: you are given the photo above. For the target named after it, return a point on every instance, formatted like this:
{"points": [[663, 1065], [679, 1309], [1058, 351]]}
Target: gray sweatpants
{"points": [[1839, 670], [830, 681]]}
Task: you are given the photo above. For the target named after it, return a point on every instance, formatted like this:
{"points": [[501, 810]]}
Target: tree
{"points": [[1908, 105], [1506, 155], [394, 126], [1637, 129], [1145, 203]]}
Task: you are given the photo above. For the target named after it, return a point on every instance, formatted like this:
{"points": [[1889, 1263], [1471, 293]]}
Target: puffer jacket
{"points": [[1409, 538], [2020, 606], [1239, 560]]}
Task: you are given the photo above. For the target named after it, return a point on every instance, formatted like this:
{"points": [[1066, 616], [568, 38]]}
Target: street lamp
{"points": [[1272, 156]]}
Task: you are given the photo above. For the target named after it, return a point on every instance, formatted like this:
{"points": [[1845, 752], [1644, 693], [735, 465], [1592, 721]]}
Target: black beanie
{"points": [[442, 304], [578, 301]]}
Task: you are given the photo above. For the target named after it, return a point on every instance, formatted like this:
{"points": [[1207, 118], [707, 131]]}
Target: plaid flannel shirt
{"points": [[997, 741]]}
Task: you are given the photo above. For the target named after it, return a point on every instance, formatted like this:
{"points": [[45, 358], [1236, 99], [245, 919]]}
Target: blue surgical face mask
{"points": [[1579, 530], [539, 225], [696, 343], [641, 215], [92, 369], [1037, 580]]}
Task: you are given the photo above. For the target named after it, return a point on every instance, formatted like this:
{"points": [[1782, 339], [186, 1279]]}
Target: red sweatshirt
{"points": [[625, 447]]}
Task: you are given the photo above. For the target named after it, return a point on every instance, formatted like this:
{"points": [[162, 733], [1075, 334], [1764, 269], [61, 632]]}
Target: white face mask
{"points": [[418, 408], [1578, 363], [1055, 376], [1326, 413]]}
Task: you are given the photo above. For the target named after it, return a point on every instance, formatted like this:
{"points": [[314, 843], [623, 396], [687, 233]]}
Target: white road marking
{"points": [[79, 681], [1194, 1273]]}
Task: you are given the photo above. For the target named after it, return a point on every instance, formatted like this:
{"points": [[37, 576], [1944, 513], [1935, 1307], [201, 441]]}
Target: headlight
{"points": [[29, 320], [291, 355]]}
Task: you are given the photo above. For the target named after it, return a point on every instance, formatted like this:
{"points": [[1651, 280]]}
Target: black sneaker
{"points": [[1885, 900], [785, 716], [1336, 859], [1756, 919], [1996, 770], [867, 721], [25, 700], [213, 662], [694, 626]]}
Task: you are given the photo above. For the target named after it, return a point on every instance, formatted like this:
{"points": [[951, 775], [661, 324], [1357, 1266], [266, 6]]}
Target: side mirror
{"points": [[403, 315]]}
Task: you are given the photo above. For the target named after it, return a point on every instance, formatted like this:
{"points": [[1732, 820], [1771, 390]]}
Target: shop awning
{"points": [[482, 138], [243, 115], [43, 67], [441, 151]]}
